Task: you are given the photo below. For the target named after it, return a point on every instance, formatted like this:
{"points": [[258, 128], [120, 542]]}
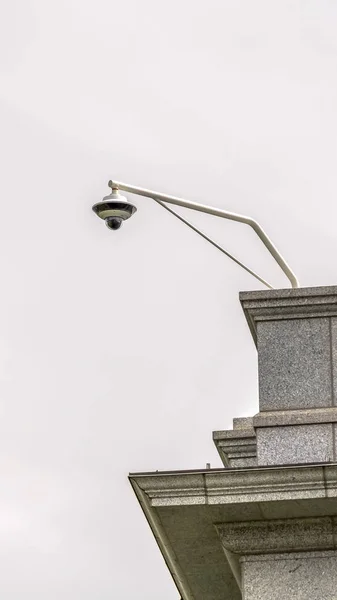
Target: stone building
{"points": [[265, 525]]}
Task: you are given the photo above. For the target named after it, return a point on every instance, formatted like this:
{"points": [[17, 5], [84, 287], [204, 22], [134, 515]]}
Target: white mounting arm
{"points": [[160, 198]]}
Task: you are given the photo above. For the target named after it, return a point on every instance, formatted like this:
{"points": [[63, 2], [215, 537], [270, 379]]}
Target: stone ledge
{"points": [[301, 303], [237, 446], [288, 556], [233, 434], [284, 293], [237, 486], [277, 418], [279, 535], [242, 422]]}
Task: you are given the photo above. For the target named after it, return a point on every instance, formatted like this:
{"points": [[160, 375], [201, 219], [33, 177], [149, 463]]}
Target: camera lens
{"points": [[113, 223]]}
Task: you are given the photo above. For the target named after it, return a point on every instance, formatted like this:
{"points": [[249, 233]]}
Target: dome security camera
{"points": [[114, 209]]}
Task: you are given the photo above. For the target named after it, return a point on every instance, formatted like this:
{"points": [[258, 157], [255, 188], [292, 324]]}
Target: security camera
{"points": [[114, 209]]}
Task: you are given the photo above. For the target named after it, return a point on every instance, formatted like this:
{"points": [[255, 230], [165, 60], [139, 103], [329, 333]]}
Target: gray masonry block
{"points": [[295, 332], [294, 364], [295, 444], [302, 576]]}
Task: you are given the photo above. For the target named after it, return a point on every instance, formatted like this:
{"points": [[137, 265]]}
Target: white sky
{"points": [[123, 351]]}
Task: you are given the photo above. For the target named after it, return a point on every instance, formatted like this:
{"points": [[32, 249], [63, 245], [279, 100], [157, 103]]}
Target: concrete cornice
{"points": [[200, 518], [287, 304], [276, 418], [239, 485], [281, 535]]}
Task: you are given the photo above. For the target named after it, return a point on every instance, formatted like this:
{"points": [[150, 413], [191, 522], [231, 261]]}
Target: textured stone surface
{"points": [[298, 509], [300, 576], [227, 486], [182, 509], [295, 444], [294, 364], [279, 535], [237, 446], [334, 357], [267, 305], [243, 423], [295, 417], [243, 462]]}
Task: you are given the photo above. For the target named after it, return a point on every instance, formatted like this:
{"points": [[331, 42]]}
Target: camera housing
{"points": [[114, 209]]}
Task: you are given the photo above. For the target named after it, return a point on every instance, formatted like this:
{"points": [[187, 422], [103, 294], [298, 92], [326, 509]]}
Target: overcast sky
{"points": [[123, 351]]}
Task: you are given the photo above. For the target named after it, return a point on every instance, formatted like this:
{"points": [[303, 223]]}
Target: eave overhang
{"points": [[185, 508]]}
